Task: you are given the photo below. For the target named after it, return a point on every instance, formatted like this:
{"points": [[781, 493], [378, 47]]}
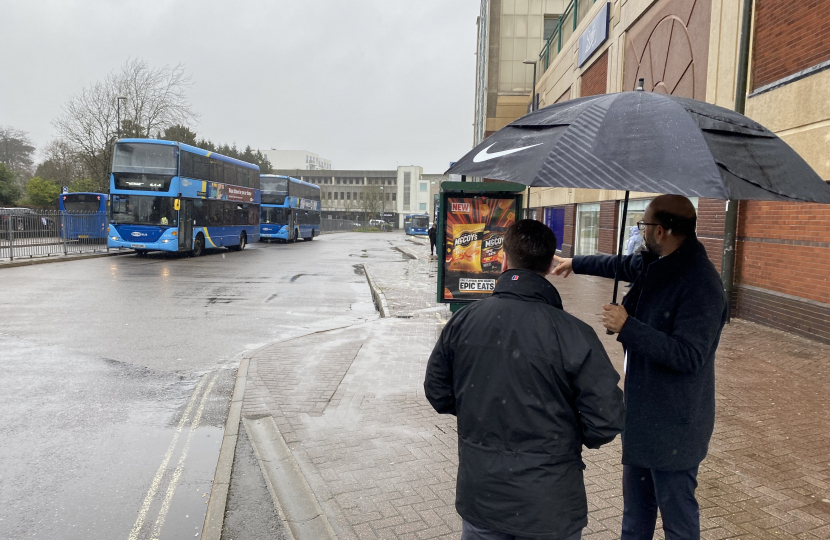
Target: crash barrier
{"points": [[25, 233]]}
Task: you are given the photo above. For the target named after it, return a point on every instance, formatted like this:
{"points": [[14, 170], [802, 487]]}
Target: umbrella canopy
{"points": [[647, 142]]}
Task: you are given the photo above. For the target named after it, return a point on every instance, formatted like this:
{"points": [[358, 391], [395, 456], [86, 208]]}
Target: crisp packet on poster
{"points": [[492, 254], [466, 247]]}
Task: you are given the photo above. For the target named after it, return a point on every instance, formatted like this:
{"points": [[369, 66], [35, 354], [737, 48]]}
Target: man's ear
{"points": [[505, 265], [553, 265]]}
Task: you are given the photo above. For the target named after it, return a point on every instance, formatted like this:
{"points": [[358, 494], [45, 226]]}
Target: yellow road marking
{"points": [[171, 488], [154, 486]]}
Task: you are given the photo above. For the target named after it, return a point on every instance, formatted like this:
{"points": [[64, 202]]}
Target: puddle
{"points": [[358, 270]]}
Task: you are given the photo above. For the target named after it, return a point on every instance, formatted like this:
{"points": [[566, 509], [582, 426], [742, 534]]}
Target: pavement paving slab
{"points": [[382, 464]]}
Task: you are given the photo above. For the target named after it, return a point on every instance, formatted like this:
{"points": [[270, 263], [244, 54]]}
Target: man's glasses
{"points": [[642, 225]]}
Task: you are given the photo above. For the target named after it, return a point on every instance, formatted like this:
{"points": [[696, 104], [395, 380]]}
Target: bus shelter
{"points": [[472, 220]]}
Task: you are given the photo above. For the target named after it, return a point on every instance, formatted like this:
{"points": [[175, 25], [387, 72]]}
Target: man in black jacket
{"points": [[432, 233], [669, 324], [530, 384]]}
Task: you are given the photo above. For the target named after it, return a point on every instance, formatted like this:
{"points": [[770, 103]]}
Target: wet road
{"points": [[117, 374]]}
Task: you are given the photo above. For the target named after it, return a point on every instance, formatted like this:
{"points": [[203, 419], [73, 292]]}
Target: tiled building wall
{"points": [[710, 221], [789, 37], [595, 78], [782, 266], [570, 228], [608, 227]]}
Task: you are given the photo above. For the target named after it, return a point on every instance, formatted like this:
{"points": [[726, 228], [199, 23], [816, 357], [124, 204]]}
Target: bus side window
{"points": [[200, 213]]}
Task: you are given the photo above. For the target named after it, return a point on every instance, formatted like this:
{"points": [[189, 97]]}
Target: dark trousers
{"points": [[646, 490], [472, 532], [431, 247]]}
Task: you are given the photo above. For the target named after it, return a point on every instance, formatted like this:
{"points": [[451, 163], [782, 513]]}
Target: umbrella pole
{"points": [[619, 255]]}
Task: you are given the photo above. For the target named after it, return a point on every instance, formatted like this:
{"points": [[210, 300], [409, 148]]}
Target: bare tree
{"points": [[372, 201], [62, 164], [156, 100], [16, 151]]}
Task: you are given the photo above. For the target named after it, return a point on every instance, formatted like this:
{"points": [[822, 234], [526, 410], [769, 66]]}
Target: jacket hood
{"points": [[634, 230], [527, 285]]}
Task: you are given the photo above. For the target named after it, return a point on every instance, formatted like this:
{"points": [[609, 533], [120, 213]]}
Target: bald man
{"points": [[669, 325]]}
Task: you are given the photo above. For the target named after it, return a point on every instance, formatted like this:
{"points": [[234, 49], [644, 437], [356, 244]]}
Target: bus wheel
{"points": [[239, 247], [310, 238], [198, 246], [141, 253]]}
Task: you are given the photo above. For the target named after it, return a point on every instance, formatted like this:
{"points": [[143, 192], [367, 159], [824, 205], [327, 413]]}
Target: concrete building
{"points": [[689, 48], [509, 32], [361, 195], [296, 159]]}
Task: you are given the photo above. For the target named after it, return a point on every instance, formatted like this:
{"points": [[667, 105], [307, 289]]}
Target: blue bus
{"points": [[290, 209], [83, 215], [169, 196], [416, 224]]}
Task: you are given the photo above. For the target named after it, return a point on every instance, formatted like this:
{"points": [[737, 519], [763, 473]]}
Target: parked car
{"points": [[25, 221]]}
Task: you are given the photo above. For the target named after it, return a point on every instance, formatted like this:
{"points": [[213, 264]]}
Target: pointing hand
{"points": [[563, 266]]}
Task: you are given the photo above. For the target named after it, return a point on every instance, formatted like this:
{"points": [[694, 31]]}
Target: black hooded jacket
{"points": [[530, 384], [676, 310]]}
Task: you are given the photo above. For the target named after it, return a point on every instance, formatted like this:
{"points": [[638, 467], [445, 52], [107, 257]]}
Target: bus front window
{"points": [[143, 210], [81, 202], [144, 166]]}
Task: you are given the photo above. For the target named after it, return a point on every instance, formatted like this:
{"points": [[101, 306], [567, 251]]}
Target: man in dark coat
{"points": [[530, 385], [669, 325], [432, 236]]}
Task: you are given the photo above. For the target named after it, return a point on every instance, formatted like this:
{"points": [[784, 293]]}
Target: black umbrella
{"points": [[647, 142]]}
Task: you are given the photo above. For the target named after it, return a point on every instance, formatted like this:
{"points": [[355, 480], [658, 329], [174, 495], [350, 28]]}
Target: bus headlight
{"points": [[165, 241], [114, 238]]}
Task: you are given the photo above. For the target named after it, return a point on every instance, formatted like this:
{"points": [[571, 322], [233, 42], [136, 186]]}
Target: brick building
{"points": [[690, 48]]}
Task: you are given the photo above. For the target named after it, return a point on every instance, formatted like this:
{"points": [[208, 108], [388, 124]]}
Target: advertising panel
{"points": [[474, 236]]}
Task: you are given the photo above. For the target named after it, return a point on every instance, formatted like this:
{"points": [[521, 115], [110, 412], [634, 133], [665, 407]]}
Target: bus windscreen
{"points": [[274, 190], [420, 222], [84, 203]]}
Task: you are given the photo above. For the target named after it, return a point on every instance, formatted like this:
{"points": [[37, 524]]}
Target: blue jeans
{"points": [[471, 532], [646, 490]]}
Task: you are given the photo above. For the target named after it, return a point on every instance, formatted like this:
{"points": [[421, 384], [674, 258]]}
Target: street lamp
{"points": [[533, 88], [532, 108], [118, 114]]}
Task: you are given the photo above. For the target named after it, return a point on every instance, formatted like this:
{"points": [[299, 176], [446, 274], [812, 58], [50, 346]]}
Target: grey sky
{"points": [[369, 84]]}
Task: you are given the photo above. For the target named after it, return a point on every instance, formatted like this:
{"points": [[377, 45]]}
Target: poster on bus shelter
{"points": [[473, 255]]}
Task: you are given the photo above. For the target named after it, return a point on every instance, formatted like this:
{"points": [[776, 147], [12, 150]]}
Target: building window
{"points": [[550, 26], [348, 195], [394, 196], [587, 229], [422, 207], [407, 185], [423, 186]]}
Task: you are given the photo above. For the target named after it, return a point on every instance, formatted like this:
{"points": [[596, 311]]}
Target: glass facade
{"points": [[407, 186], [587, 229]]}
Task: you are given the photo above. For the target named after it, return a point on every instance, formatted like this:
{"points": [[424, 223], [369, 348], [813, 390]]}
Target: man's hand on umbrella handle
{"points": [[614, 317], [562, 266]]}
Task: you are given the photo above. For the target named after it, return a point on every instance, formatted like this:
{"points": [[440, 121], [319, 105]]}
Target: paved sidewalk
{"points": [[382, 464]]}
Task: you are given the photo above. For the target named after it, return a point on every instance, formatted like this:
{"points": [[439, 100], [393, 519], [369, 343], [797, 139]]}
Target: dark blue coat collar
{"points": [[528, 286]]}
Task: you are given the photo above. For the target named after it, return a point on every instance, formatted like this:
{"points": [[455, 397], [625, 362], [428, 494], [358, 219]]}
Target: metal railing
{"points": [[345, 225], [568, 21], [27, 233]]}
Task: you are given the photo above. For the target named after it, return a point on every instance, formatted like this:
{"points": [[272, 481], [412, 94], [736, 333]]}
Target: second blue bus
{"points": [[83, 216], [290, 209], [169, 196], [416, 224]]}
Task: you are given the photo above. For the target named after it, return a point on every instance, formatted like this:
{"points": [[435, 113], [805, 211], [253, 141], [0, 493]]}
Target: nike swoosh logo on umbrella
{"points": [[484, 156]]}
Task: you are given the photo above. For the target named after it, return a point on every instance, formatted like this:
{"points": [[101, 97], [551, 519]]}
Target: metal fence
{"points": [[345, 225], [26, 233]]}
